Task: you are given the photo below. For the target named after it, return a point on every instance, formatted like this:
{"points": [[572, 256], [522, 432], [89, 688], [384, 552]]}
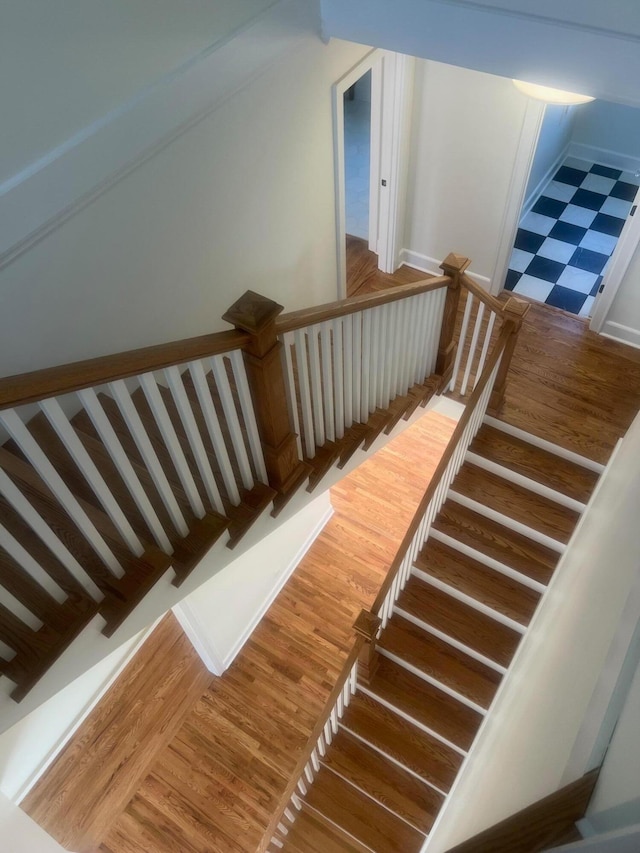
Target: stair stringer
{"points": [[91, 646]]}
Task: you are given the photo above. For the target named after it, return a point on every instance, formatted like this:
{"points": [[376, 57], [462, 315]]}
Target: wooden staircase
{"points": [[438, 663], [60, 618]]}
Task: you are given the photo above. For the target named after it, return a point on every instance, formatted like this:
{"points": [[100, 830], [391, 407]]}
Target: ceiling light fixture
{"points": [[551, 96]]}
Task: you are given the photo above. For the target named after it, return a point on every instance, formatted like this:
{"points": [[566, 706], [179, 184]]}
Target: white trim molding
{"points": [[216, 659], [604, 156], [43, 196], [623, 334], [431, 266]]}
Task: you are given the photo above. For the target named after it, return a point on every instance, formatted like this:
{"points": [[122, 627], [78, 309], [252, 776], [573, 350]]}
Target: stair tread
{"points": [[468, 576], [309, 834], [526, 507], [360, 816], [440, 712], [432, 760], [540, 465], [441, 661], [496, 541], [463, 623], [384, 781]]}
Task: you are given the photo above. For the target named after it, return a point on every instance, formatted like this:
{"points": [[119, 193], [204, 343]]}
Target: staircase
{"points": [[395, 744], [118, 475]]}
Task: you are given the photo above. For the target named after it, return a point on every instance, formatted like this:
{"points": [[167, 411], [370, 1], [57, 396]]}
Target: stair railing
{"points": [[438, 488], [308, 763], [119, 468], [362, 661]]}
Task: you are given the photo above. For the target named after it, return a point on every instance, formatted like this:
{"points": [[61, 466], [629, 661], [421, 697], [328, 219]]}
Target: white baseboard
{"points": [[216, 660], [623, 334], [614, 159], [424, 263], [535, 192]]}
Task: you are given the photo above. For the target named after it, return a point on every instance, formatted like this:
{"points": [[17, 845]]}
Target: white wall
{"points": [[65, 65], [242, 199], [221, 615], [466, 132], [593, 51], [525, 746], [623, 319], [619, 780], [553, 143], [20, 834], [608, 133]]}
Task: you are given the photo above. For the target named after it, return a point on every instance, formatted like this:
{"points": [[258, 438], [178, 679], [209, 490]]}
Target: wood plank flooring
{"points": [[213, 786]]}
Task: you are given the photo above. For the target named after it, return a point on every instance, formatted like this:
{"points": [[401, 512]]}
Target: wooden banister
{"points": [[499, 348], [454, 267], [331, 310], [54, 381], [514, 312], [305, 755], [480, 293], [256, 315]]}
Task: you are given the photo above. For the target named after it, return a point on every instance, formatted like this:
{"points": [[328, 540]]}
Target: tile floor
{"points": [[357, 146], [563, 244]]}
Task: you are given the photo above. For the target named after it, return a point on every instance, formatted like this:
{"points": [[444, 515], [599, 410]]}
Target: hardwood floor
{"points": [[213, 785], [571, 386], [363, 275], [215, 781]]}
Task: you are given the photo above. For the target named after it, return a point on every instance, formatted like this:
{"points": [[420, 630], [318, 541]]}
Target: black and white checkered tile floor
{"points": [[565, 241]]}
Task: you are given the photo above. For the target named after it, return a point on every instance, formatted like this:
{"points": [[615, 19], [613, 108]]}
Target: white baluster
{"points": [[203, 392], [305, 393], [394, 344], [403, 345], [172, 442], [17, 609], [120, 392], [485, 346], [92, 475], [249, 415], [365, 409], [327, 382], [358, 321], [120, 459], [292, 396], [383, 358], [15, 550], [375, 380], [231, 415], [34, 453], [472, 348], [461, 339], [176, 386], [316, 385], [21, 505], [315, 761], [338, 376], [347, 365]]}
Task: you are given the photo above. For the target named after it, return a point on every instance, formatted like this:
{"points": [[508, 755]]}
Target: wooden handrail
{"points": [[499, 348], [331, 310], [490, 301], [53, 381], [305, 755]]}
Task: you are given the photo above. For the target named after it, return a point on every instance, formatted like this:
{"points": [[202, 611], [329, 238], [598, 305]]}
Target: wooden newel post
{"points": [[515, 310], [367, 626], [257, 315], [453, 266]]}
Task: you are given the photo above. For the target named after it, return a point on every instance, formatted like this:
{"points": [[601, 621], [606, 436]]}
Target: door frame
{"points": [[391, 88], [624, 251]]}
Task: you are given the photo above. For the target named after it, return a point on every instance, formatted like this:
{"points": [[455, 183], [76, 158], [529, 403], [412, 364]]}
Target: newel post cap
{"points": [[454, 264], [252, 312], [367, 625]]}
